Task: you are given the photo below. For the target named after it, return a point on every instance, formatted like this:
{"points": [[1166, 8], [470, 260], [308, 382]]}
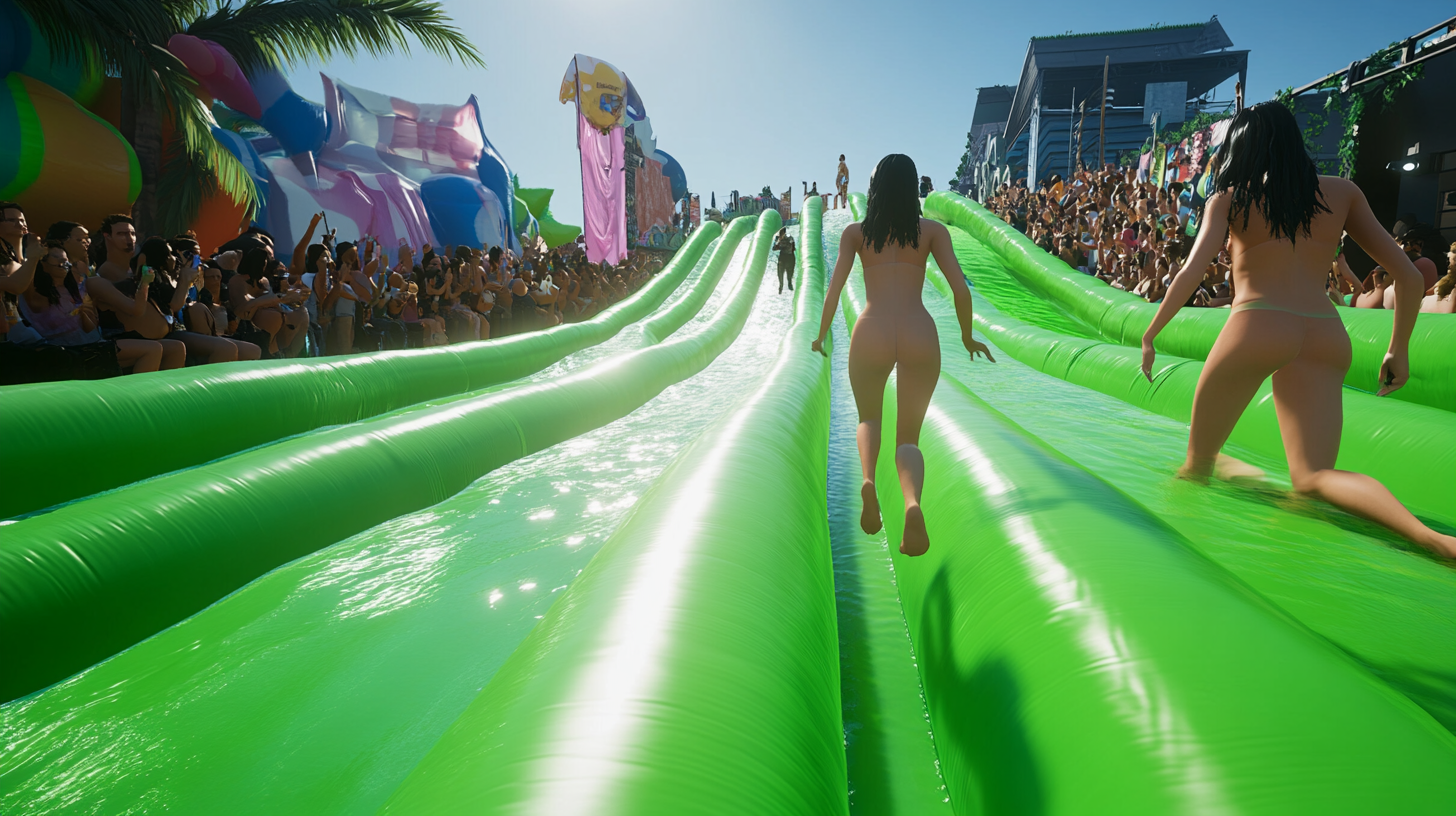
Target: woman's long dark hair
{"points": [[46, 287], [1264, 165], [892, 211], [314, 252]]}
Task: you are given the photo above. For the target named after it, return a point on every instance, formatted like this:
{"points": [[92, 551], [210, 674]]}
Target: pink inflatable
{"points": [[217, 72]]}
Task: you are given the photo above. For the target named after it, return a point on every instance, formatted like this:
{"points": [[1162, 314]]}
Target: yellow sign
{"points": [[600, 91]]}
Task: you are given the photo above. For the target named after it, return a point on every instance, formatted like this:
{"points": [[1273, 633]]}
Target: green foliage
{"points": [[1188, 128], [275, 33], [1154, 27], [129, 39], [1352, 105], [229, 119]]}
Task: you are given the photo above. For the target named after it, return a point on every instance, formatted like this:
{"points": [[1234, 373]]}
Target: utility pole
{"points": [[1070, 111], [1102, 128], [1081, 129]]}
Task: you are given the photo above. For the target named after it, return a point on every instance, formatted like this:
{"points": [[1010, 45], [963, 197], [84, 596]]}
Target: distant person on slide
{"points": [[785, 247], [1284, 222], [841, 184], [895, 332]]}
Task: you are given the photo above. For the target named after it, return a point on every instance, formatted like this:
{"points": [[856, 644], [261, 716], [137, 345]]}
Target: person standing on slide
{"points": [[895, 332], [841, 184], [1284, 222], [785, 246]]}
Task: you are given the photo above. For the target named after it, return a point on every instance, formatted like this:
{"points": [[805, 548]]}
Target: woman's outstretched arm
{"points": [[300, 250], [1210, 239], [849, 244], [944, 254], [1362, 225]]}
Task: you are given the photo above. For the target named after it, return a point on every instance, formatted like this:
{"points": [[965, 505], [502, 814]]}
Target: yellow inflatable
{"points": [[600, 91], [59, 160]]}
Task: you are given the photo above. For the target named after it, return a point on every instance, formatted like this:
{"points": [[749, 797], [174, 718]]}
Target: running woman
{"points": [[895, 332]]}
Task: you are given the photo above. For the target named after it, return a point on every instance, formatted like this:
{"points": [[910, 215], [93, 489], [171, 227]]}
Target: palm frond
{"points": [[195, 167], [78, 29], [129, 39], [229, 119], [272, 33]]}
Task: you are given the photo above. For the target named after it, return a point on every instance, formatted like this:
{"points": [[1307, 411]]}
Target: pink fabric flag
{"points": [[603, 191]]}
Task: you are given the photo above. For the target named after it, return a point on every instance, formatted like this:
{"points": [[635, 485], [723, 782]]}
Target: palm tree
{"points": [[129, 38]]}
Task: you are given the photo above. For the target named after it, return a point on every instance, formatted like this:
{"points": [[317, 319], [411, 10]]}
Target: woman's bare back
{"points": [[894, 331], [1287, 274]]}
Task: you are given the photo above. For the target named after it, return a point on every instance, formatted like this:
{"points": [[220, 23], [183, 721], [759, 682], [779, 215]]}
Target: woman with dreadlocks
{"points": [[1283, 222], [895, 332]]}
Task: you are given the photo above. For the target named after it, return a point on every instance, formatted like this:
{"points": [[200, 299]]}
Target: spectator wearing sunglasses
{"points": [[58, 307]]}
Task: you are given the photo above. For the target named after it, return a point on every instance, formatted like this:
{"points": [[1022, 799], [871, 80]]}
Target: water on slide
{"points": [[1384, 602], [318, 687], [889, 749], [1379, 599]]}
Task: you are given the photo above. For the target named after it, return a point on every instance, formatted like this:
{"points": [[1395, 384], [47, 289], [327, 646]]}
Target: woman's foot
{"points": [[869, 517], [1440, 544], [1229, 469], [916, 540]]}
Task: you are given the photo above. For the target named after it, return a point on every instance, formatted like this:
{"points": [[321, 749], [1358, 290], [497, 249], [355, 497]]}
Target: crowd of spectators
{"points": [[87, 305], [1135, 235]]}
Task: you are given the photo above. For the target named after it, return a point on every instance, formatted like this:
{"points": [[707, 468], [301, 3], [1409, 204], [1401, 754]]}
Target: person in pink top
{"points": [[57, 307]]}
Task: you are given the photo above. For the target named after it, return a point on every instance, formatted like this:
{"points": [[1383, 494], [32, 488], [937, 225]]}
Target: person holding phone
{"points": [[178, 268], [260, 320], [127, 312]]}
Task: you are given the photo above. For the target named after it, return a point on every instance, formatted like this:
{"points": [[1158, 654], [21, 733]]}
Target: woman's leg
{"points": [[246, 350], [140, 356], [212, 349], [1252, 345], [871, 357], [270, 321], [294, 332], [174, 354], [1307, 399], [341, 335], [336, 342], [199, 318], [918, 349]]}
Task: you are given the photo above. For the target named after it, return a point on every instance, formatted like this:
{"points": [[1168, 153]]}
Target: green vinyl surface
{"points": [[316, 688], [647, 593], [1123, 317], [1385, 603], [889, 749], [132, 428], [668, 320], [691, 669], [143, 557], [1404, 445], [1180, 725]]}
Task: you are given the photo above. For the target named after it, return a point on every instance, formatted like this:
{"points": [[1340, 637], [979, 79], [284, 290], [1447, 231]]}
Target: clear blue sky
{"points": [[745, 94]]}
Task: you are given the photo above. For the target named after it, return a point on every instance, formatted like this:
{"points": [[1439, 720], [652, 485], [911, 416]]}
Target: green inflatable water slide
{"points": [[615, 568]]}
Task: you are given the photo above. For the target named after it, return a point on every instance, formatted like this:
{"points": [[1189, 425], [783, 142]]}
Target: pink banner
{"points": [[603, 191]]}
